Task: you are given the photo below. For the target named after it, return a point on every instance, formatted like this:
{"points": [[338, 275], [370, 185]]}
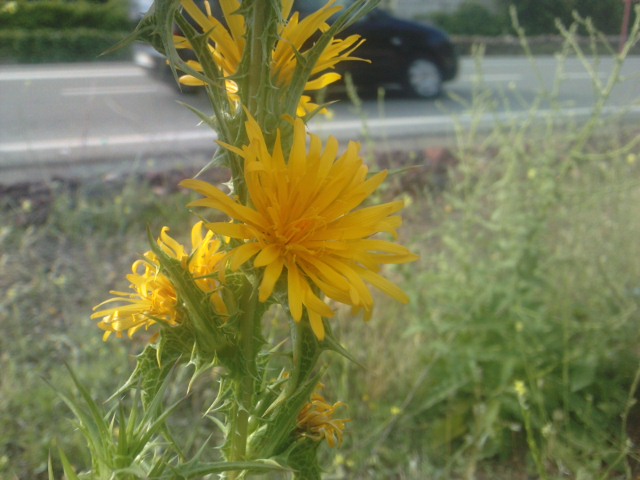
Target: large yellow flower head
{"points": [[227, 46], [153, 297], [303, 218]]}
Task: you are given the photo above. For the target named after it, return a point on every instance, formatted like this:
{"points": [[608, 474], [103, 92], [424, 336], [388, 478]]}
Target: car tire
{"points": [[423, 78]]}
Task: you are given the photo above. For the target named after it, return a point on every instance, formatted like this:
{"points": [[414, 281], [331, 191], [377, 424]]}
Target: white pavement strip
{"points": [[437, 123], [112, 90], [405, 126], [514, 77], [66, 145], [59, 74]]}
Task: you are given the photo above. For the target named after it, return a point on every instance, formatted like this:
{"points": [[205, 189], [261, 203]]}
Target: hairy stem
{"points": [[244, 383]]}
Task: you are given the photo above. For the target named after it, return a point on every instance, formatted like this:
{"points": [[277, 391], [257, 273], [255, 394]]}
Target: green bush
{"points": [[539, 16], [471, 18], [51, 14], [48, 45], [56, 31]]}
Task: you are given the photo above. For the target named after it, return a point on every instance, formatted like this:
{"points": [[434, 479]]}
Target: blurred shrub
{"points": [[539, 16], [49, 45], [471, 18], [109, 16], [53, 31]]}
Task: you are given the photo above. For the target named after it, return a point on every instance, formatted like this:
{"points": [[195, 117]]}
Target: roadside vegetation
{"points": [[517, 357], [537, 17], [45, 31]]}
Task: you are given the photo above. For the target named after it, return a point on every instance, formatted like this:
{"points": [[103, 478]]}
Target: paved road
{"points": [[70, 118]]}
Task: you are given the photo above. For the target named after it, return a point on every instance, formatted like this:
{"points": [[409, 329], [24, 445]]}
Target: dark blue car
{"points": [[416, 57]]}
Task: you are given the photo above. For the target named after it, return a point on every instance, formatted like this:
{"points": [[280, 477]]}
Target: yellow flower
{"points": [[153, 297], [227, 46], [520, 388], [316, 421], [395, 411], [303, 217]]}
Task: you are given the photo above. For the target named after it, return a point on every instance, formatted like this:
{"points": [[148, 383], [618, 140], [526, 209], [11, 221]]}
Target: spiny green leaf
{"points": [[91, 420], [303, 459], [50, 467], [198, 470], [331, 343], [152, 366], [275, 435], [69, 472]]}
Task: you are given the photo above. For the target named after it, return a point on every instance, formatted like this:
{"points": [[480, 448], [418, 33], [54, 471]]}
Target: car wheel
{"points": [[423, 78]]}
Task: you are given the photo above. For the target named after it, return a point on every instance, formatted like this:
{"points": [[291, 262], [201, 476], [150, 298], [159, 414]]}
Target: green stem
{"points": [[254, 81], [531, 440], [245, 381], [258, 68], [306, 352]]}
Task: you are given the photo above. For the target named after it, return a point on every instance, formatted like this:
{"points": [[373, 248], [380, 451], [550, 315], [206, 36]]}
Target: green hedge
{"points": [[471, 18], [112, 15], [537, 17], [48, 45]]}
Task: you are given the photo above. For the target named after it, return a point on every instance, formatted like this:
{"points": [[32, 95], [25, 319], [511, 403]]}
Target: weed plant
{"points": [[518, 353], [517, 356], [50, 275]]}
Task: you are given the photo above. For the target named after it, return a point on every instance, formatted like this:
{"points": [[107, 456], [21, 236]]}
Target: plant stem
{"points": [[258, 68], [244, 383]]}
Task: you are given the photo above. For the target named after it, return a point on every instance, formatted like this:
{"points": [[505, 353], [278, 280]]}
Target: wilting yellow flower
{"points": [[303, 218], [153, 297], [227, 46], [316, 421]]}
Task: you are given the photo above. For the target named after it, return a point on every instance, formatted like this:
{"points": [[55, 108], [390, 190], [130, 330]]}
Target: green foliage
{"points": [[112, 15], [529, 273], [539, 16], [56, 31], [50, 277], [50, 45], [471, 18]]}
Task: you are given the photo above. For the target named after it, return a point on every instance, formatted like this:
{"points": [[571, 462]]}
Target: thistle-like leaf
{"points": [[155, 28], [331, 343], [303, 459], [69, 472], [196, 469]]}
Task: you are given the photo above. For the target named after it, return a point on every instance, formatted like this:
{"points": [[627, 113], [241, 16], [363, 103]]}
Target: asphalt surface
{"points": [[81, 119]]}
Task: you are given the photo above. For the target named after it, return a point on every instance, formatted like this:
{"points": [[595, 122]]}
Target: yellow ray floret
{"points": [[227, 46], [152, 297], [303, 223]]}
